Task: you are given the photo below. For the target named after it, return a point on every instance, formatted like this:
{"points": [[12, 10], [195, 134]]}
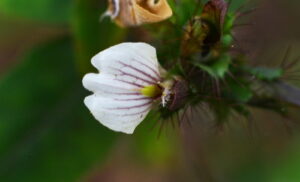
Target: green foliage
{"points": [[46, 132], [90, 35], [218, 68], [238, 91], [228, 23], [227, 40], [47, 11], [265, 74], [183, 10]]}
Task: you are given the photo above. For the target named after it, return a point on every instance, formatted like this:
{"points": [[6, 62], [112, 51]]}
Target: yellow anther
{"points": [[151, 91]]}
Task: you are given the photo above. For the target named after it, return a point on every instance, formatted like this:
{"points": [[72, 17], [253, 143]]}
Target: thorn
{"points": [[286, 55], [172, 122], [232, 76], [241, 7], [178, 119], [242, 25], [156, 121], [183, 116], [247, 12], [293, 63], [188, 118], [218, 88], [160, 130]]}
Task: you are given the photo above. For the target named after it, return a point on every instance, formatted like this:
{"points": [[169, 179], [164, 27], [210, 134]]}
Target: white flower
{"points": [[125, 89]]}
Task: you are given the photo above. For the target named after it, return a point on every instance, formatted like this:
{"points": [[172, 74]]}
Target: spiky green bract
{"points": [[196, 44]]}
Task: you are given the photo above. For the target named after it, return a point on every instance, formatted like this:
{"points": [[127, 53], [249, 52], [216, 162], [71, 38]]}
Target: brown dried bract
{"points": [[215, 10], [212, 20], [136, 12]]}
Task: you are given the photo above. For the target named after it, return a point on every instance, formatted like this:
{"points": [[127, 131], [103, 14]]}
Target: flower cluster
{"points": [[200, 68]]}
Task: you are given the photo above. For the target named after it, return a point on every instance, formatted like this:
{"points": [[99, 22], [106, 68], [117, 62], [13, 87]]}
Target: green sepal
{"points": [[218, 68]]}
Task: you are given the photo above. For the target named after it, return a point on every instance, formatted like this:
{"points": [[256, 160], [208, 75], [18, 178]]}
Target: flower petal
{"points": [[117, 114], [104, 83], [125, 70], [135, 60]]}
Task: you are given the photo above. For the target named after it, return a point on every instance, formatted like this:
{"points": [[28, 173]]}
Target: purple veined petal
{"points": [[119, 106], [139, 68], [125, 69], [134, 75], [118, 115], [125, 57], [109, 86]]}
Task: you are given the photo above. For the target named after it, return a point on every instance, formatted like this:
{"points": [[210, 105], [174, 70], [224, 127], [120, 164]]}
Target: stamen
{"points": [[152, 91]]}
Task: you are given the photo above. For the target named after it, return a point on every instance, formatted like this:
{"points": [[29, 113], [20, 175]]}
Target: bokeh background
{"points": [[47, 135]]}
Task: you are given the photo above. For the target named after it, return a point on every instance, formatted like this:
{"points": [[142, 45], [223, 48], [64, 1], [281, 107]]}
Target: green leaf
{"points": [[266, 74], [228, 23], [50, 11], [183, 10], [46, 133], [218, 68], [207, 69]]}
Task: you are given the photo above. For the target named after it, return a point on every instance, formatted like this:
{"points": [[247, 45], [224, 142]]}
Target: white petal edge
{"points": [[125, 122], [141, 56]]}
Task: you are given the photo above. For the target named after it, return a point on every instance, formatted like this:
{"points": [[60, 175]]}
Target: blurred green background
{"points": [[47, 134]]}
